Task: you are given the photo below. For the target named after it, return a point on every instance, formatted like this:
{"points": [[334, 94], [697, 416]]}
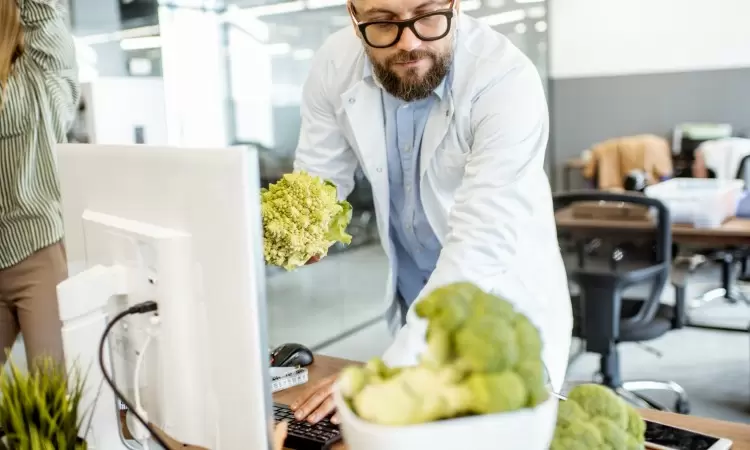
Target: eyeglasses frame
{"points": [[449, 14]]}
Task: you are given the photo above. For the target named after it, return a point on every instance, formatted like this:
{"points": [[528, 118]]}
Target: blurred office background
{"points": [[213, 73]]}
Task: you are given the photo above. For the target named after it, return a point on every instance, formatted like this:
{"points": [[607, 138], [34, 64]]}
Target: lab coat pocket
{"points": [[450, 159]]}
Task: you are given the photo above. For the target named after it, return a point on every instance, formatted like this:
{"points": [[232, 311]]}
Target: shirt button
{"points": [[407, 149], [379, 169], [408, 188], [352, 101]]}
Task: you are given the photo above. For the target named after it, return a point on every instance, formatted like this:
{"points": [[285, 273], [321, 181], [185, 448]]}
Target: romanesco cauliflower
{"points": [[595, 418], [302, 218], [482, 357]]}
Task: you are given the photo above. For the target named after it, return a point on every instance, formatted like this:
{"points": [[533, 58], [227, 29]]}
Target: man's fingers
{"points": [[308, 393], [336, 419], [313, 403], [326, 408]]}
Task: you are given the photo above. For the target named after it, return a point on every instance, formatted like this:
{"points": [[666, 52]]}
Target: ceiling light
{"points": [[141, 43], [504, 17], [520, 28], [541, 26], [93, 39], [529, 1], [282, 48], [303, 54], [495, 3], [536, 12], [470, 5], [276, 8], [317, 4]]}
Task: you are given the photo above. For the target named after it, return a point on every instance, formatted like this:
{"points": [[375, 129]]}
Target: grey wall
{"points": [[588, 110]]}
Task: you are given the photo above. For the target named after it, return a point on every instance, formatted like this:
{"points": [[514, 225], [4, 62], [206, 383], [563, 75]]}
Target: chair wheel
{"points": [[682, 407]]}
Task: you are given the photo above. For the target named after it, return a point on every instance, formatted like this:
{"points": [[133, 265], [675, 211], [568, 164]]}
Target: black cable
{"points": [[141, 308]]}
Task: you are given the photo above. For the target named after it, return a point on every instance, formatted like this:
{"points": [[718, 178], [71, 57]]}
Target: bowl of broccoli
{"points": [[480, 384]]}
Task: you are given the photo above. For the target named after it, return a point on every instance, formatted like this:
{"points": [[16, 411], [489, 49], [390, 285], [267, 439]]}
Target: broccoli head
{"points": [[594, 417], [482, 357], [302, 218]]}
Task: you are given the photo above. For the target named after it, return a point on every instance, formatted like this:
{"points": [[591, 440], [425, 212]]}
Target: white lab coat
{"points": [[482, 179]]}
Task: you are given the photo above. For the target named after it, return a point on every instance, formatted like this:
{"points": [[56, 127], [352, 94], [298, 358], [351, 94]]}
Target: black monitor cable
{"points": [[141, 308]]}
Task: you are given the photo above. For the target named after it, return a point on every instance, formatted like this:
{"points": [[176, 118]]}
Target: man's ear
{"points": [[352, 14]]}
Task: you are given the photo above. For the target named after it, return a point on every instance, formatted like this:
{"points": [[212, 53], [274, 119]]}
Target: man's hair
{"points": [[11, 38]]}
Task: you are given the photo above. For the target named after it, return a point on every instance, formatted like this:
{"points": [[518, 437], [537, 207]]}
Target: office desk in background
{"points": [[738, 433], [735, 232]]}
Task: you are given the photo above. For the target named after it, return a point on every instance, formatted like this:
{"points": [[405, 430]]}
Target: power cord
{"points": [[141, 308]]}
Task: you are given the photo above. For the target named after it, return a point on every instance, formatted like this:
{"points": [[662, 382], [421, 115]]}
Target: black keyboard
{"points": [[304, 435]]}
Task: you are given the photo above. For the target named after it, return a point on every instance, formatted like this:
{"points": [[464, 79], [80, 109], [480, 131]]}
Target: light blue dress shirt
{"points": [[416, 245]]}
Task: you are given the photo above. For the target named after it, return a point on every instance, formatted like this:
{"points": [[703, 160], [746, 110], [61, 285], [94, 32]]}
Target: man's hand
{"points": [[316, 403], [279, 435]]}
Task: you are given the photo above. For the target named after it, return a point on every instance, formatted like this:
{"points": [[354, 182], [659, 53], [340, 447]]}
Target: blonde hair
{"points": [[11, 38]]}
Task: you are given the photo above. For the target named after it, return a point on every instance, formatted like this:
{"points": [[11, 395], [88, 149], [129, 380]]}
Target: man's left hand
{"points": [[279, 435]]}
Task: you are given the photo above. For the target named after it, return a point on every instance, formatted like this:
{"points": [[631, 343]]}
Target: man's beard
{"points": [[411, 88]]}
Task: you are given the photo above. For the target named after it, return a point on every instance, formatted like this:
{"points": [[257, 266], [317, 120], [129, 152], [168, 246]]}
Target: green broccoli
{"points": [[615, 424], [487, 344], [497, 392], [533, 373], [482, 357], [578, 435], [600, 401]]}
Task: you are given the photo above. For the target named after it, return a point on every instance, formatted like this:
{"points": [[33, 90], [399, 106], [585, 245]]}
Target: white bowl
{"points": [[527, 429]]}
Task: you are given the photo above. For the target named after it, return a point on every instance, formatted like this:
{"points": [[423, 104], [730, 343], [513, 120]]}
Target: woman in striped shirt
{"points": [[38, 96]]}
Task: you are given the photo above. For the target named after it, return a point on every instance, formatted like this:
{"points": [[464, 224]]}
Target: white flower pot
{"points": [[528, 429]]}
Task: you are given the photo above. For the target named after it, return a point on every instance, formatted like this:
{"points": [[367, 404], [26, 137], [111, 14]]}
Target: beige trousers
{"points": [[28, 304]]}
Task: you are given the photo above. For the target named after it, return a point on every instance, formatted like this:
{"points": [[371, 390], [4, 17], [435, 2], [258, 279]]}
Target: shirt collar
{"points": [[368, 75]]}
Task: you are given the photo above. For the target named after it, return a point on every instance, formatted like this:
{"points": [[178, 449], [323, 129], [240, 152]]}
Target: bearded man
{"points": [[449, 122]]}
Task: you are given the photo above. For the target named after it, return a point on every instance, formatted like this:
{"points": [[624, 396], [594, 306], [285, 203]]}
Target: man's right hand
{"points": [[316, 403]]}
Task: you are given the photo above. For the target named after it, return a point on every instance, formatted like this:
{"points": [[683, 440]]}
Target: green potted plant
{"points": [[39, 410]]}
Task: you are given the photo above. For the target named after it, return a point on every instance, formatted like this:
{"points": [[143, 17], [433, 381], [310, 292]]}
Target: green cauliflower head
{"points": [[302, 218], [482, 357], [594, 417]]}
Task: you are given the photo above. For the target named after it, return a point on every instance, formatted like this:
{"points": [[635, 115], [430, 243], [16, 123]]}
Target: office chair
{"points": [[603, 318], [728, 258]]}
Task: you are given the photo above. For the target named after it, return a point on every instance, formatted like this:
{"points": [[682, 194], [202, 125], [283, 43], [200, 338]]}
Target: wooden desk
{"points": [[738, 433], [734, 232]]}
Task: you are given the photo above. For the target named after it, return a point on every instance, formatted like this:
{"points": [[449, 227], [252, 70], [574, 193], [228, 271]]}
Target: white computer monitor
{"points": [[182, 227]]}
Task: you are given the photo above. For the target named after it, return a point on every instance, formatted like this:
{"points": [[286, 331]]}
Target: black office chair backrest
{"points": [[743, 171], [602, 286]]}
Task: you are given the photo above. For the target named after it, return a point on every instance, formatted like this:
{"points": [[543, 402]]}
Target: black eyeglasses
{"points": [[431, 26]]}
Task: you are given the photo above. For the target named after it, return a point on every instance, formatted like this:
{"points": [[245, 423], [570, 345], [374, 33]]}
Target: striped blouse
{"points": [[38, 107]]}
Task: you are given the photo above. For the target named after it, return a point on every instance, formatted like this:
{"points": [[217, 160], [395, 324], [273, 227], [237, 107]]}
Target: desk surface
{"points": [[738, 433], [733, 232]]}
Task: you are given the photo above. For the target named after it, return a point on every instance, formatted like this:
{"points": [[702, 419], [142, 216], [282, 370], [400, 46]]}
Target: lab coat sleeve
{"points": [[503, 176], [322, 149]]}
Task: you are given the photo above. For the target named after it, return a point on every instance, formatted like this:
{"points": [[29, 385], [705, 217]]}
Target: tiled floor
{"points": [[320, 301]]}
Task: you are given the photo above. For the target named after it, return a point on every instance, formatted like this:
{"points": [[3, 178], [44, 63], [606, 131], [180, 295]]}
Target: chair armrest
{"points": [[638, 276]]}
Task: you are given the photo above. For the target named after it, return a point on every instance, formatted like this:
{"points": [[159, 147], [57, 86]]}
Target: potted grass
{"points": [[40, 410]]}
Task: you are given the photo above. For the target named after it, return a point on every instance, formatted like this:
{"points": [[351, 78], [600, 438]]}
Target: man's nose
{"points": [[409, 41]]}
